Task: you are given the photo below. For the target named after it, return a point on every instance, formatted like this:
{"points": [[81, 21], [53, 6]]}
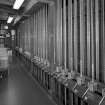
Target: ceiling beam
{"points": [[8, 9], [30, 5]]}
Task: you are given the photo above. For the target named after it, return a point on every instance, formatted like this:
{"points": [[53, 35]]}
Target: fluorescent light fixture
{"points": [[9, 19], [6, 27], [18, 4]]}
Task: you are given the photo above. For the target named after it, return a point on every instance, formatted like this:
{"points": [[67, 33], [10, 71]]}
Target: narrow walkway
{"points": [[21, 89]]}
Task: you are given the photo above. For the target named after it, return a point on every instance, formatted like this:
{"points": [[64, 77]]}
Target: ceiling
{"points": [[6, 9]]}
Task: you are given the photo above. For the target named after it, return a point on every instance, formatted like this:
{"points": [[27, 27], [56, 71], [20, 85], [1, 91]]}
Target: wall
{"points": [[69, 33]]}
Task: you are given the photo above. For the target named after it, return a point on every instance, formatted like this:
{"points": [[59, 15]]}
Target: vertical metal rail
{"points": [[38, 31], [103, 5], [75, 35], [52, 31], [59, 32], [88, 38], [39, 34], [70, 34], [97, 37], [82, 35], [49, 33], [23, 37], [40, 42], [92, 38], [39, 39], [101, 41], [30, 28], [34, 36], [65, 43], [70, 47], [65, 35], [85, 38], [19, 38], [54, 41], [28, 25], [43, 35], [29, 34], [46, 31], [26, 35]]}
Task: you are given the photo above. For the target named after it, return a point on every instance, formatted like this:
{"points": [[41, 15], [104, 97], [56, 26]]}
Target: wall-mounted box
{"points": [[81, 90], [92, 86], [82, 87], [92, 98], [71, 84]]}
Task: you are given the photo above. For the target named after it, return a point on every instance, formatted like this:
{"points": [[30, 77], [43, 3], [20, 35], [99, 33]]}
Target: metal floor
{"points": [[21, 89]]}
